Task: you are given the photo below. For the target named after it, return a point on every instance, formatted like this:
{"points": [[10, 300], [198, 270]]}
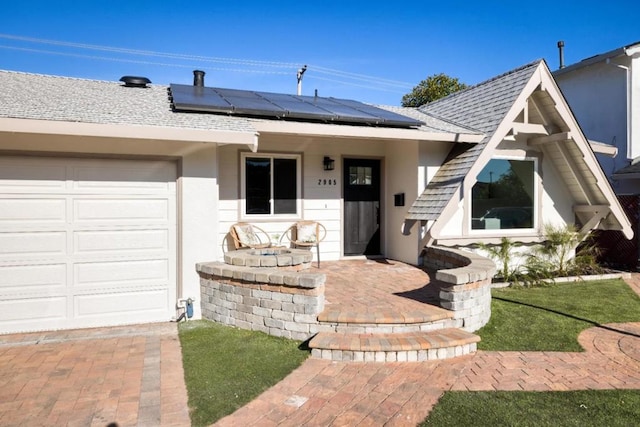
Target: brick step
{"points": [[429, 313], [394, 347]]}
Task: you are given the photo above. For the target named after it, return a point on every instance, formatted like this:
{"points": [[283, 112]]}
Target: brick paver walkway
{"points": [[93, 377], [325, 393]]}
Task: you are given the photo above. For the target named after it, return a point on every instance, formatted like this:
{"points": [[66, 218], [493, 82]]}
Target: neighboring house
{"points": [[109, 195], [604, 94]]}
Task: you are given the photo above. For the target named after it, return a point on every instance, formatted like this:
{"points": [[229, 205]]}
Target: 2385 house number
{"points": [[327, 181]]}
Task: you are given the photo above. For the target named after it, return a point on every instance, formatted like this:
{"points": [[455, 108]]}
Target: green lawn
{"points": [[599, 408], [225, 368], [547, 318]]}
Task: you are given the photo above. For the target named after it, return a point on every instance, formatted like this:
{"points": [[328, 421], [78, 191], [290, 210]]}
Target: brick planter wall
{"points": [[466, 284], [270, 300]]}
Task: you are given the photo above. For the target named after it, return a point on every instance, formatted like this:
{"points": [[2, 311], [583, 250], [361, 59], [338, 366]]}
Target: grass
{"points": [[568, 408], [547, 318], [225, 368]]}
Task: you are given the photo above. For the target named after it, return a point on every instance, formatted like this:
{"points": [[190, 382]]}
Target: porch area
{"points": [[380, 310], [366, 310]]}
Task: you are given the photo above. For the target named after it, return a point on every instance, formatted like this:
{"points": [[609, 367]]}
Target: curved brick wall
{"points": [[278, 302], [466, 284]]}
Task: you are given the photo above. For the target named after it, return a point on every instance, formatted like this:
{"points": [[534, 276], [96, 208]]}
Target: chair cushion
{"points": [[246, 235], [306, 233]]}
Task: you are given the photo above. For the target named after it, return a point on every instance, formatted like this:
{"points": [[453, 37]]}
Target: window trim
{"points": [[535, 208], [243, 179]]}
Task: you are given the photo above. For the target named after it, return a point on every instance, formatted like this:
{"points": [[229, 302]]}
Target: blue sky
{"points": [[371, 51]]}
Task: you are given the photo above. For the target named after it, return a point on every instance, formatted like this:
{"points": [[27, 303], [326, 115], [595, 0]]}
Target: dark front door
{"points": [[361, 207]]}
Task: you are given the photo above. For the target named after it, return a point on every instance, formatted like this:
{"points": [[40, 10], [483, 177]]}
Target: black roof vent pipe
{"points": [[198, 78], [135, 81], [561, 51]]}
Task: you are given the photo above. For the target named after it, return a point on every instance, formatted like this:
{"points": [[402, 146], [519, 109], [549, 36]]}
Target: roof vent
{"points": [[134, 81], [198, 78]]}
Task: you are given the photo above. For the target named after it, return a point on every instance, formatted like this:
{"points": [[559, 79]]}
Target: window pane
{"points": [[353, 175], [360, 175], [284, 186], [258, 181], [502, 197]]}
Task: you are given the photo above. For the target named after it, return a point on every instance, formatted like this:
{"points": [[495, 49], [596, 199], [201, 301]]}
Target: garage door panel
{"points": [[129, 180], [121, 304], [32, 280], [121, 211], [31, 175], [21, 211], [155, 271], [33, 310], [32, 245], [120, 242], [122, 308]]}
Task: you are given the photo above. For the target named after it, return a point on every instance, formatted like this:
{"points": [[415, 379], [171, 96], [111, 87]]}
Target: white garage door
{"points": [[86, 242]]}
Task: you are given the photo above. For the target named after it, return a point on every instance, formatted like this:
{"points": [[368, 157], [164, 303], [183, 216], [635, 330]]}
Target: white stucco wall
{"points": [[198, 218], [402, 172]]}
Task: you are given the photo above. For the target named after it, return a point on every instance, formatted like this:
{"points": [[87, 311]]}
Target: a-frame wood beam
{"points": [[599, 212], [556, 137], [529, 128]]}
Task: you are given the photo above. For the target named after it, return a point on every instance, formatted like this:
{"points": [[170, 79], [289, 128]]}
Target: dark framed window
{"points": [[271, 184], [504, 196]]}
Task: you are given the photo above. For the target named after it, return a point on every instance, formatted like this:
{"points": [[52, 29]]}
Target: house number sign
{"points": [[323, 182]]}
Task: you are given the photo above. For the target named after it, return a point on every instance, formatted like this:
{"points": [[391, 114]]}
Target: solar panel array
{"points": [[283, 106]]}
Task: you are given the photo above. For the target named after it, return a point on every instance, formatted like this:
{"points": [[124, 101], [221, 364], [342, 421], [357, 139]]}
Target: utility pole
{"points": [[300, 73]]}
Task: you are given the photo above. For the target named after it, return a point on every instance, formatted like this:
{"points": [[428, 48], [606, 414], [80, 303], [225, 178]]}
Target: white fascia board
{"points": [[345, 131], [632, 50], [603, 148], [52, 127]]}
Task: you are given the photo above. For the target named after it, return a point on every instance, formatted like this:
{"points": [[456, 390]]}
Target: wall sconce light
{"points": [[328, 163]]}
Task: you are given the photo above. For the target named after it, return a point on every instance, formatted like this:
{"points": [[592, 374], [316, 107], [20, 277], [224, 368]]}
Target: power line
{"points": [[134, 61], [257, 66]]}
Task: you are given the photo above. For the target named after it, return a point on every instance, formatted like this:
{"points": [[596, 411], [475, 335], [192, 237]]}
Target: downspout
{"points": [[627, 71]]}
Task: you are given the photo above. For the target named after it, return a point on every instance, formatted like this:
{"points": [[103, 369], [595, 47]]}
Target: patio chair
{"points": [[247, 235], [306, 234]]}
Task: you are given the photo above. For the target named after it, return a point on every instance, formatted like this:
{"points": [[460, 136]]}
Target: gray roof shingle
{"points": [[481, 107], [43, 97]]}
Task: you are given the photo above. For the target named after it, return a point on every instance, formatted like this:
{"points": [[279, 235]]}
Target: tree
{"points": [[432, 88]]}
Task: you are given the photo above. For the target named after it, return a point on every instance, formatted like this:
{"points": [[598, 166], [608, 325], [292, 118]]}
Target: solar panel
{"points": [[280, 105], [250, 103], [297, 107]]}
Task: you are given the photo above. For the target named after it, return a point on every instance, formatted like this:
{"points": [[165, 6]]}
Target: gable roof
{"points": [[482, 107]]}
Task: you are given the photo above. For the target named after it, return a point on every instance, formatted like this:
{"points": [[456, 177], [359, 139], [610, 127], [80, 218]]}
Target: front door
{"points": [[361, 207]]}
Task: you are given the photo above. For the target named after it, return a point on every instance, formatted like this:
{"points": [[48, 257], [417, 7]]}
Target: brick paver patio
{"points": [[133, 375]]}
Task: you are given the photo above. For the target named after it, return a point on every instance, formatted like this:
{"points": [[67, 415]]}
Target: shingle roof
{"points": [[43, 97], [431, 123], [481, 107]]}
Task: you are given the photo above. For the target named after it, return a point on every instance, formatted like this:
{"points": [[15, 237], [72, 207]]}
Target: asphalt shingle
{"points": [[43, 97]]}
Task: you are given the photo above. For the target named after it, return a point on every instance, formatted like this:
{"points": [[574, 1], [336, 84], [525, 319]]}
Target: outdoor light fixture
{"points": [[328, 163]]}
